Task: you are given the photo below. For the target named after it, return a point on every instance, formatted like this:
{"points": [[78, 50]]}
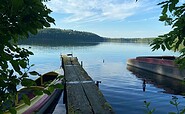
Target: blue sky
{"points": [[109, 18]]}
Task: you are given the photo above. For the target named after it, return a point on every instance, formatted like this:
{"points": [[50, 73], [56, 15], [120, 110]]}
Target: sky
{"points": [[110, 18]]}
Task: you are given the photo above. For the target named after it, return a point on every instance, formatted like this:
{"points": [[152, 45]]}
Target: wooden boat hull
{"points": [[160, 65], [40, 103], [43, 104]]}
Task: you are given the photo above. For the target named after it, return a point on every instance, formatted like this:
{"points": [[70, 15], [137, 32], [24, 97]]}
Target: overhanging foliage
{"points": [[18, 18], [173, 14]]}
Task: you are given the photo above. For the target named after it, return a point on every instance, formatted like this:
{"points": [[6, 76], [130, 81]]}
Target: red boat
{"points": [[163, 65]]}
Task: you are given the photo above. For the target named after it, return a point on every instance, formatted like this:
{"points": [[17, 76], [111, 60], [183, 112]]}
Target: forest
{"points": [[130, 40], [56, 37], [53, 36]]}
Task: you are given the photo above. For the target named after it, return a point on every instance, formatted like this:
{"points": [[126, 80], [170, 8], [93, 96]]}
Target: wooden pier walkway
{"points": [[81, 93]]}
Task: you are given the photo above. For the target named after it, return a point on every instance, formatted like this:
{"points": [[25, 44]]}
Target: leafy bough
{"points": [[18, 19], [173, 14]]}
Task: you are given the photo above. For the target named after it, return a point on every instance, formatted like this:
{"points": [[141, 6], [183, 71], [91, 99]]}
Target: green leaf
{"points": [[152, 110], [32, 65], [47, 92], [50, 19], [28, 82], [51, 88], [175, 1], [162, 2], [184, 42], [15, 66], [163, 17], [60, 77], [171, 7], [38, 92], [25, 75], [34, 73], [13, 110], [26, 99], [22, 63], [163, 47], [171, 102], [165, 7], [60, 86], [49, 11], [30, 53], [148, 104], [167, 45], [46, 24]]}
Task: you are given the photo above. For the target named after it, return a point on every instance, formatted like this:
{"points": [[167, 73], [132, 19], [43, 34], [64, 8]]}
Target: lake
{"points": [[120, 84]]}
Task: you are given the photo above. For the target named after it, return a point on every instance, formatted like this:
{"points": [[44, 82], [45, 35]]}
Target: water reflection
{"points": [[107, 62], [59, 43], [144, 85], [169, 85]]}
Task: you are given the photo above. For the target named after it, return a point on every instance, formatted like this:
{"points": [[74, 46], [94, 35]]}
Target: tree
{"points": [[173, 14], [18, 18]]}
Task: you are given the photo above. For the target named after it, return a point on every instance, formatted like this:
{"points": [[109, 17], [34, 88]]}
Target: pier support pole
{"points": [[97, 83], [81, 63]]}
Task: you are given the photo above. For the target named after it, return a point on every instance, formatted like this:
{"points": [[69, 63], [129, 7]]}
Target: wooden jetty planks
{"points": [[77, 101], [97, 100], [82, 95]]}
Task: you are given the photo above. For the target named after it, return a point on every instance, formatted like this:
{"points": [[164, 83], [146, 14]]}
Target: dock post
{"points": [[81, 63], [97, 83]]}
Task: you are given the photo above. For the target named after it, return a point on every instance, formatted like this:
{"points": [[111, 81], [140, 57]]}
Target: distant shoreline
{"points": [[53, 36]]}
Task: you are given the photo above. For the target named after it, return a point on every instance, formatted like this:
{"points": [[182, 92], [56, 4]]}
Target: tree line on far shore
{"points": [[130, 40], [53, 36]]}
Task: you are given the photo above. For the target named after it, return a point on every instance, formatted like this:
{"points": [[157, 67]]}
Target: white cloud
{"points": [[94, 10], [145, 19]]}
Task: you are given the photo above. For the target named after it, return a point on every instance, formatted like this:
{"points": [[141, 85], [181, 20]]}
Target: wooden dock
{"points": [[82, 96]]}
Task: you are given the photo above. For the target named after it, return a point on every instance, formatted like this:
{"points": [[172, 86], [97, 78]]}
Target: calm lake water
{"points": [[121, 85]]}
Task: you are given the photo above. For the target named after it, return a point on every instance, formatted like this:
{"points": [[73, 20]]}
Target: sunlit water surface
{"points": [[121, 87]]}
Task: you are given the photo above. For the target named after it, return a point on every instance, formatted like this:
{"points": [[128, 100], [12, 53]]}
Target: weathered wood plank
{"points": [[82, 95], [97, 100], [75, 73], [77, 101]]}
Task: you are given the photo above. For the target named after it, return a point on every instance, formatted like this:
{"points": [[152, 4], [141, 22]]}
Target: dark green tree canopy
{"points": [[18, 18], [57, 37]]}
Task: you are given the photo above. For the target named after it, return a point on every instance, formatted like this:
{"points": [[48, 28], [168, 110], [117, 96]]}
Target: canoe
{"points": [[163, 65], [39, 103]]}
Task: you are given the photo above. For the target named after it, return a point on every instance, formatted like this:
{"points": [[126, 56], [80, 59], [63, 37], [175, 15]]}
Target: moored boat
{"points": [[163, 65], [39, 103]]}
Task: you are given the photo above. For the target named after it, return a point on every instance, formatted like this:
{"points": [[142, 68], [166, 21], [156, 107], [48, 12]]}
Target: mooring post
{"points": [[81, 63], [97, 83]]}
